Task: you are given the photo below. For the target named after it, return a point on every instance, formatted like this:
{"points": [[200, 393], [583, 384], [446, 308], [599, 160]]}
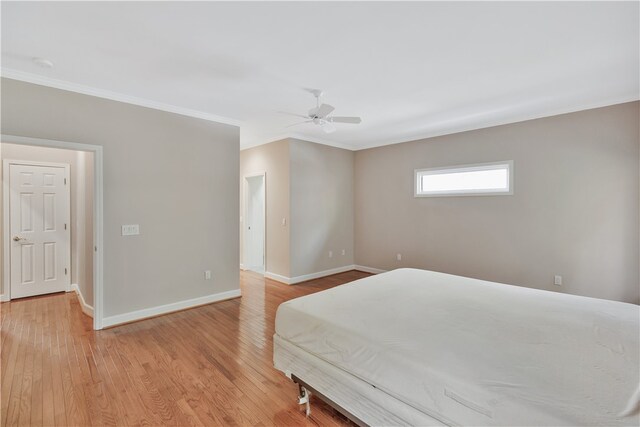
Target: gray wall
{"points": [[575, 211], [272, 159], [81, 206], [321, 207], [174, 175]]}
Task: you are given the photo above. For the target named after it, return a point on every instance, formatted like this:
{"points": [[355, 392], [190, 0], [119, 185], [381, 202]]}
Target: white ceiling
{"points": [[409, 69]]}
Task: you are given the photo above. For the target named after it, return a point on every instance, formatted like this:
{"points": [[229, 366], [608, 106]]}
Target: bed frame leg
{"points": [[303, 398]]}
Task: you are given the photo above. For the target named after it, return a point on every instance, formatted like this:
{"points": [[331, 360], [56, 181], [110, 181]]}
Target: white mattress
{"points": [[470, 352]]}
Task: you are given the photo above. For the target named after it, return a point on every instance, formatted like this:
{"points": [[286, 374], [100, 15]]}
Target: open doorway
{"points": [[52, 220], [254, 223]]}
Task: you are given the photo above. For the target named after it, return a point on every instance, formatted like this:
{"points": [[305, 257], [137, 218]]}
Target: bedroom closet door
{"points": [[40, 229], [254, 256]]}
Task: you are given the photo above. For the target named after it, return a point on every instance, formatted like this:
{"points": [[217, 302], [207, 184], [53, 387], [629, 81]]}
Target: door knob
{"points": [[18, 238]]}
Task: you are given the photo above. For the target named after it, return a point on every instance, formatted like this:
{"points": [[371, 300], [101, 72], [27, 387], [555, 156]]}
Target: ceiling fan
{"points": [[319, 115]]}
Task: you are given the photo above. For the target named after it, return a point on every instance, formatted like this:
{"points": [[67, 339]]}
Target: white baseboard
{"points": [[319, 274], [167, 308], [4, 298], [242, 267], [305, 277], [86, 308], [368, 269], [278, 278]]}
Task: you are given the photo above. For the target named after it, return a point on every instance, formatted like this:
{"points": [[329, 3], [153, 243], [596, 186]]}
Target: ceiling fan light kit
{"points": [[319, 115]]}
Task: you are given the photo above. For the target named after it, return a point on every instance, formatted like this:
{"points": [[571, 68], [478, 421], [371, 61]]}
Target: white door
{"points": [[254, 226], [40, 229]]}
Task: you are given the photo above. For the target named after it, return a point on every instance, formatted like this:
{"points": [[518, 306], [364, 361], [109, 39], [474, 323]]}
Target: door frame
{"points": [[245, 191], [98, 217], [6, 215]]}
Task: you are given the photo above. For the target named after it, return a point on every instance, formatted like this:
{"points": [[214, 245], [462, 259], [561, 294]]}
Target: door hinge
{"points": [[65, 271], [65, 226], [65, 181]]}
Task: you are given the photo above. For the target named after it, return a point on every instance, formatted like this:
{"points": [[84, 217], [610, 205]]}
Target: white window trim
{"points": [[464, 168]]}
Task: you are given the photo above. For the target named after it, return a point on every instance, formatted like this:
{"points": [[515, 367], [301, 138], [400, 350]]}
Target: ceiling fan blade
{"points": [[338, 119], [299, 123], [328, 127], [293, 114], [322, 111]]}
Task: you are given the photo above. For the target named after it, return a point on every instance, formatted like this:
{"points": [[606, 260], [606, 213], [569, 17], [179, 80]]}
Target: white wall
{"points": [[574, 212], [81, 205], [175, 176]]}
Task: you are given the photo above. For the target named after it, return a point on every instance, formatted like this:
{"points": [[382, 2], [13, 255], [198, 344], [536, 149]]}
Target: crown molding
{"points": [[458, 128], [461, 127], [11, 73], [524, 117], [300, 137], [323, 141], [262, 141]]}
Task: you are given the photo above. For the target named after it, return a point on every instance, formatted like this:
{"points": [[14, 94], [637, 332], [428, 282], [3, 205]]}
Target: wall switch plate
{"points": [[330, 254], [130, 230], [207, 275], [284, 222], [399, 257], [557, 280], [344, 252]]}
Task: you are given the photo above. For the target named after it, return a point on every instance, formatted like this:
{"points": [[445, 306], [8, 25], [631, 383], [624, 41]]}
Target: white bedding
{"points": [[470, 352]]}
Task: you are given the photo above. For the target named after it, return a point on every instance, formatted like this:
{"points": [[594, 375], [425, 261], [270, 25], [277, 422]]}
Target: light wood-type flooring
{"points": [[211, 365]]}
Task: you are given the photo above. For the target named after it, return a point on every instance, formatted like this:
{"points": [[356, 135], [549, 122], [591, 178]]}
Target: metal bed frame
{"points": [[305, 394]]}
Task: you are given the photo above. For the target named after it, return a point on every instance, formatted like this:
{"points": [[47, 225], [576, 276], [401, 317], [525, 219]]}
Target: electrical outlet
{"points": [[207, 275], [131, 230], [557, 280], [330, 254], [344, 252], [399, 257]]}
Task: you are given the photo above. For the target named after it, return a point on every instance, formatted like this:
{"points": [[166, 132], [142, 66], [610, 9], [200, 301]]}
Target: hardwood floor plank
{"points": [[37, 397], [15, 371], [48, 404], [8, 354], [208, 366], [27, 373], [57, 387]]}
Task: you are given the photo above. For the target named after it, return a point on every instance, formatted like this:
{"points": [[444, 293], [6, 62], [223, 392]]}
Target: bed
{"points": [[416, 347]]}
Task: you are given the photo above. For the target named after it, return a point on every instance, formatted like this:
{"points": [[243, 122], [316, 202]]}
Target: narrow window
{"points": [[468, 180]]}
